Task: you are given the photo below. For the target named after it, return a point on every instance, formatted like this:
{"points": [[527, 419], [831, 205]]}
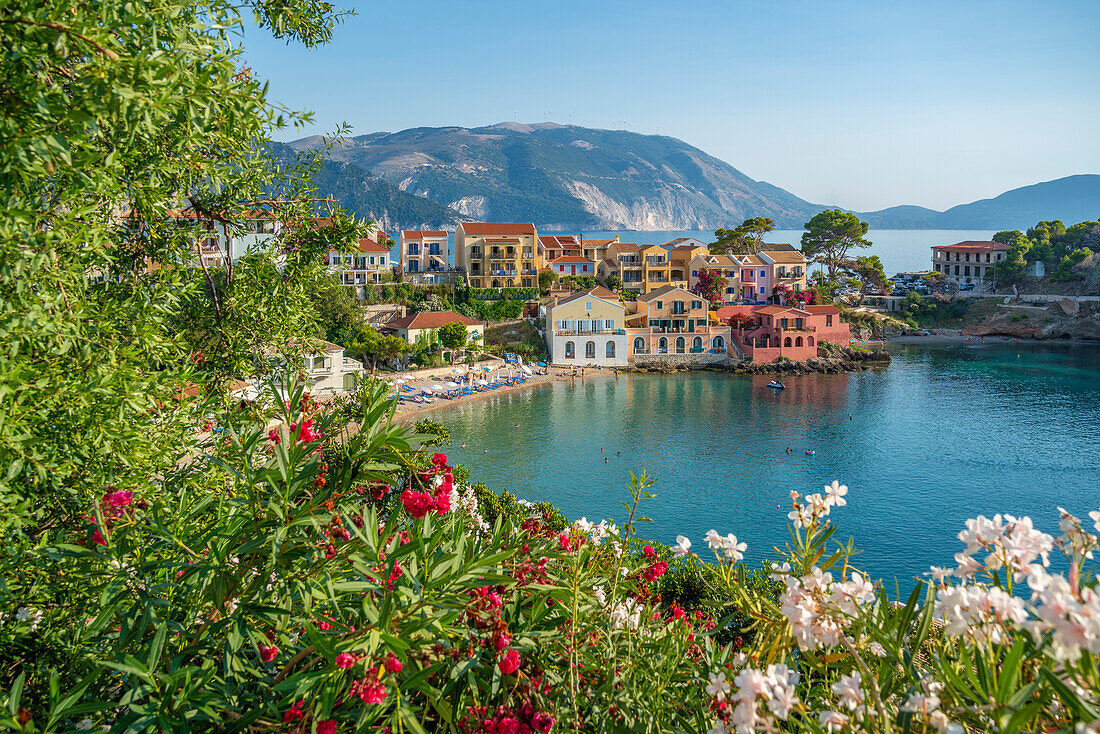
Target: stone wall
{"points": [[678, 361]]}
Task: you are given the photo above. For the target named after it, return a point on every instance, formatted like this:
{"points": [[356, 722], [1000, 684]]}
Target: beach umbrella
{"points": [[483, 382], [452, 384], [439, 387], [457, 371], [540, 364]]}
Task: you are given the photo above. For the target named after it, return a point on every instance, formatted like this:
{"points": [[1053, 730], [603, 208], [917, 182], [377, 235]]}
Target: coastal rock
{"points": [[1043, 323]]}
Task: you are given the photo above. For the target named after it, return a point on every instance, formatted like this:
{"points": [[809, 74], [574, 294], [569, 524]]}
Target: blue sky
{"points": [[862, 104]]}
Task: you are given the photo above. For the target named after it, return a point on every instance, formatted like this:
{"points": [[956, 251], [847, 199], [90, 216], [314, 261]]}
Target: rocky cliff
{"points": [[1064, 319]]}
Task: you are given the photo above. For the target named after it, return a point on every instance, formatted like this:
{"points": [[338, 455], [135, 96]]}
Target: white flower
{"points": [[719, 728], [938, 574], [600, 595], [33, 616], [921, 703], [718, 687], [733, 550], [714, 540], [832, 720], [84, 724], [584, 525], [1095, 515], [835, 493], [877, 650], [682, 547], [849, 691]]}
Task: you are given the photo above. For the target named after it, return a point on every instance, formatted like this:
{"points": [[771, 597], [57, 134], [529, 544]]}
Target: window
{"points": [[590, 350], [966, 268], [694, 273], [662, 345], [608, 323], [761, 289], [809, 341], [798, 342], [639, 345], [680, 345], [828, 319], [956, 270], [697, 344], [763, 273], [719, 343], [570, 350], [696, 304], [610, 351], [372, 259], [660, 305], [787, 342], [588, 305], [564, 324], [987, 257]]}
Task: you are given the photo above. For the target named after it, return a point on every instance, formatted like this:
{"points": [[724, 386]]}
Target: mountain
{"points": [[568, 177], [370, 196], [1072, 199]]}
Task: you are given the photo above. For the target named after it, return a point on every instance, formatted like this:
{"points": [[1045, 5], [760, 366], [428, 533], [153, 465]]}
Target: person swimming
{"points": [[810, 451]]}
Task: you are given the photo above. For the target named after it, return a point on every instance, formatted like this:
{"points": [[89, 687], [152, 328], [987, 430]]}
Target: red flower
{"points": [[563, 543], [273, 436], [294, 713], [439, 460], [345, 660], [369, 690], [393, 665], [97, 538], [267, 654], [649, 552], [542, 721], [507, 725], [328, 726], [509, 663], [417, 504], [501, 641], [118, 499]]}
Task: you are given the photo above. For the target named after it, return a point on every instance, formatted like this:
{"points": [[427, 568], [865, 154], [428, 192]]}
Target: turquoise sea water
{"points": [[943, 434]]}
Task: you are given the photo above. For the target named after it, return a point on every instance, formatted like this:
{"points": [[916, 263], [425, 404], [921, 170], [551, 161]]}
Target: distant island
{"points": [[566, 177]]}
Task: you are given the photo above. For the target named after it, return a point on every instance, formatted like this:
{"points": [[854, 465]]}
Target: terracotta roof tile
{"points": [[572, 259], [974, 245], [432, 320], [497, 228], [417, 234]]}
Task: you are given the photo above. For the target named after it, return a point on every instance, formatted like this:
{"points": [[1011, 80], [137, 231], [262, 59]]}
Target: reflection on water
{"points": [[944, 434]]}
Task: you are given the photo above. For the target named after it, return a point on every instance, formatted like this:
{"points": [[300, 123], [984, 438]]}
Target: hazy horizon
{"points": [[859, 104]]}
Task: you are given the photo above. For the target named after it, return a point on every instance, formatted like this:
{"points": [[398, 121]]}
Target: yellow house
{"points": [[498, 254], [788, 267], [656, 267], [587, 329], [680, 257], [624, 260]]}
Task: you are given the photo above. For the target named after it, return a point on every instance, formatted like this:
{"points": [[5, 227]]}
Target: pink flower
{"points": [[294, 713], [509, 663], [502, 641], [369, 690], [267, 654], [273, 436], [563, 543], [649, 552], [393, 665], [345, 660], [439, 460], [542, 721], [507, 725], [442, 503], [97, 538], [417, 504], [118, 499], [328, 726]]}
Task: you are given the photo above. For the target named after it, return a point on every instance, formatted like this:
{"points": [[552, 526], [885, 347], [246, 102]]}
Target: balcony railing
{"points": [[588, 332]]}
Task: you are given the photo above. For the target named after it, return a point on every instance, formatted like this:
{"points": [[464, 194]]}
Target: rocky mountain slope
{"points": [[569, 177]]}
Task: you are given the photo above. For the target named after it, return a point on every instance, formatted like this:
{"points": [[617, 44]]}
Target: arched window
{"points": [[662, 346], [787, 342], [697, 343], [798, 342], [496, 284], [680, 345], [570, 350], [809, 341], [639, 345], [719, 342], [590, 350], [610, 351]]}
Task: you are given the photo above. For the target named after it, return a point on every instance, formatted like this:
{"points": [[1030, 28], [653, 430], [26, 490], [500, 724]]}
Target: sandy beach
{"points": [[411, 411]]}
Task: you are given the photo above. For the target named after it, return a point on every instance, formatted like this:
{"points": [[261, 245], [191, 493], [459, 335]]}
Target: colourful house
{"points": [[766, 333], [587, 329], [726, 266], [572, 265], [423, 250], [673, 320]]}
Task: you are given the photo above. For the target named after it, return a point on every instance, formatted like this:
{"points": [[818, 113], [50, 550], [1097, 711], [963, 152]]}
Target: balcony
{"points": [[657, 278], [588, 332], [656, 261]]}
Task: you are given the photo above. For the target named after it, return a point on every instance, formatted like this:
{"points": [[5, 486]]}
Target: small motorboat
{"points": [[777, 385]]}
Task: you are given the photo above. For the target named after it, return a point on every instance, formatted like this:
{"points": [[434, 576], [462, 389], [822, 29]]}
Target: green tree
{"points": [[337, 317], [869, 271], [614, 282], [828, 237], [547, 278], [745, 239], [453, 336]]}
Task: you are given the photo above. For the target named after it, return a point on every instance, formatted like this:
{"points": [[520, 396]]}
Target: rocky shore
{"points": [[830, 360]]}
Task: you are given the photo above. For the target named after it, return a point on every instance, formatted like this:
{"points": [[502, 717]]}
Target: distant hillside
{"points": [[370, 196], [568, 177], [1072, 199]]}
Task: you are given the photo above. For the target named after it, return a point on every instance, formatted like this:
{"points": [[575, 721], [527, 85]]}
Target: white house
{"points": [[587, 330], [572, 265]]}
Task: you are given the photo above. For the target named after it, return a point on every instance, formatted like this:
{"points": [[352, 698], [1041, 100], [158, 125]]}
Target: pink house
{"points": [[572, 265], [754, 278], [766, 333]]}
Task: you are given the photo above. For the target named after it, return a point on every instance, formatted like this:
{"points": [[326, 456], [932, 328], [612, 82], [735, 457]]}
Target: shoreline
{"points": [[415, 410], [957, 338]]}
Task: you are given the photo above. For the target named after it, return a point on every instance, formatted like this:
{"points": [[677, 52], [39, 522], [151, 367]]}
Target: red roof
{"points": [[431, 320], [572, 259], [508, 240], [369, 245], [822, 308], [973, 245], [416, 234], [497, 228], [775, 310]]}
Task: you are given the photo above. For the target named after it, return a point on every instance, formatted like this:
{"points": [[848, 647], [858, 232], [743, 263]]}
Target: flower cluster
{"points": [[526, 719], [596, 534], [304, 431], [816, 507], [817, 607], [756, 699], [112, 508], [725, 547], [441, 481], [1011, 543]]}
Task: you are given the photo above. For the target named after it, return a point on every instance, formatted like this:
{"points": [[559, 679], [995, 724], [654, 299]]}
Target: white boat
{"points": [[777, 385]]}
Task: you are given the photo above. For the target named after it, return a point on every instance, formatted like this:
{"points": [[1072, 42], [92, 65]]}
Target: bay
{"points": [[945, 433]]}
